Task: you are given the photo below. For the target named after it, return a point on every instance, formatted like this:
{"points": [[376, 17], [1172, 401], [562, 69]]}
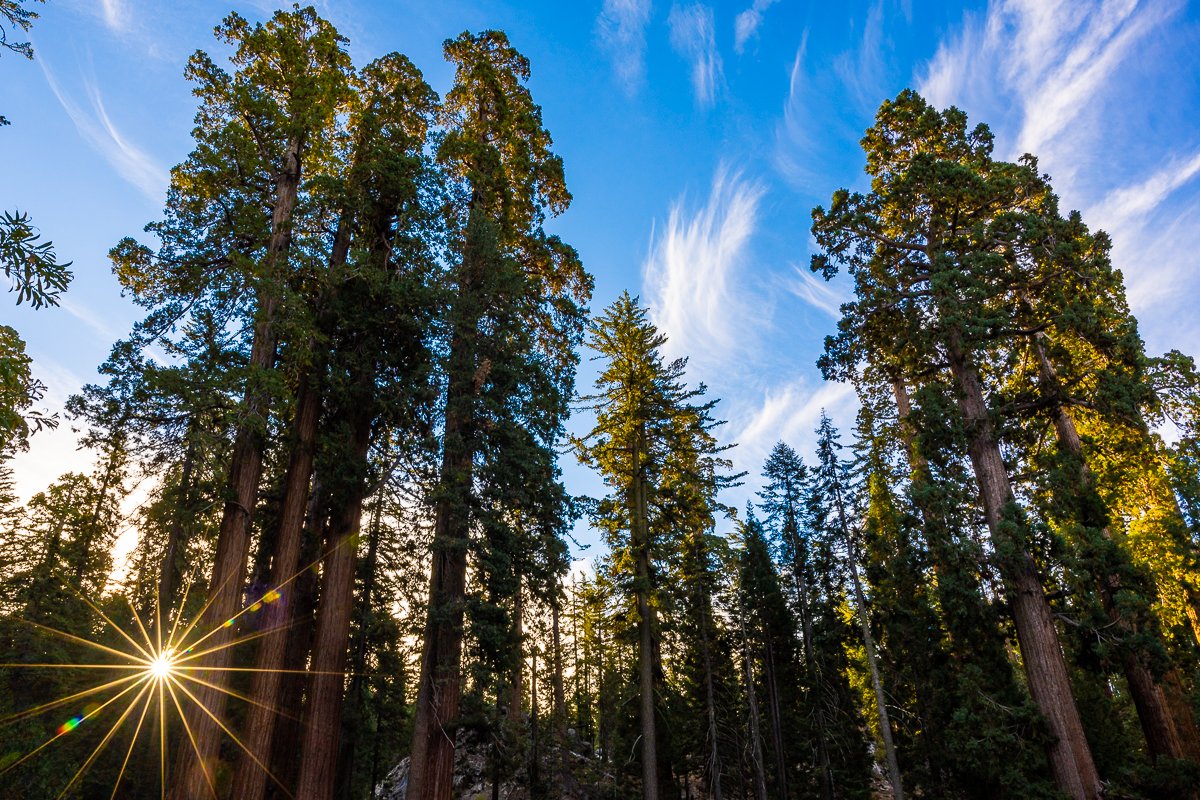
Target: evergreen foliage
{"points": [[341, 421]]}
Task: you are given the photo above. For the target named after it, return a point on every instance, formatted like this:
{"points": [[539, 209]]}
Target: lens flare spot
{"points": [[69, 725]]}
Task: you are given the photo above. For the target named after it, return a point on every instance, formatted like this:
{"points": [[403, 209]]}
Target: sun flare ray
{"points": [[133, 742], [62, 701], [145, 653], [156, 660], [230, 734], [191, 737], [63, 731], [235, 694], [116, 726]]}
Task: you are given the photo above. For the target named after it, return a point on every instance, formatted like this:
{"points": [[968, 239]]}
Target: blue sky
{"points": [[696, 136]]}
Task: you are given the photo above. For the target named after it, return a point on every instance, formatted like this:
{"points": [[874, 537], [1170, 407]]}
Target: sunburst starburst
{"points": [[154, 684]]}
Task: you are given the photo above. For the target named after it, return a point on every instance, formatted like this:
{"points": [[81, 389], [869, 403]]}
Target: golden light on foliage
{"points": [[157, 673]]}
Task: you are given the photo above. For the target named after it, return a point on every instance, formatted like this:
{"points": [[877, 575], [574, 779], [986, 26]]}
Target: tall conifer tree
{"points": [[507, 179], [924, 247]]}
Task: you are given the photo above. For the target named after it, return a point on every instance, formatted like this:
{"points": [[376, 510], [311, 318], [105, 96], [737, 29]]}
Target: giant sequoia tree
{"points": [[227, 240], [962, 264], [507, 271]]}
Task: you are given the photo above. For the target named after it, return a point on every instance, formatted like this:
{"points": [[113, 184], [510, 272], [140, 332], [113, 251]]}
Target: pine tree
{"points": [[655, 449], [770, 634], [832, 478], [783, 501], [638, 394]]}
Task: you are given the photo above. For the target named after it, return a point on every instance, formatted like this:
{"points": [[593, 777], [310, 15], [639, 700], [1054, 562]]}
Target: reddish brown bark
{"points": [[1185, 719], [435, 717], [250, 779], [1158, 727], [289, 730], [1070, 757], [261, 716], [323, 722], [436, 714], [193, 779]]}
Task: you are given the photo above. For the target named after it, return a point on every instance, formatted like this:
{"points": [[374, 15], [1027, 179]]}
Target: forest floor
{"points": [[471, 781]]}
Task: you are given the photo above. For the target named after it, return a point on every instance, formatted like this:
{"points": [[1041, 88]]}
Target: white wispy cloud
{"points": [[1154, 243], [1051, 58], [692, 281], [693, 36], [814, 291], [97, 128], [88, 317], [1056, 78], [115, 13], [746, 25], [793, 136], [790, 413], [1133, 203], [815, 139], [862, 69], [621, 28]]}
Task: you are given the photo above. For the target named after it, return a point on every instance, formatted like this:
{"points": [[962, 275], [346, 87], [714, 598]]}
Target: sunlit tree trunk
{"points": [[233, 540], [1158, 727], [1070, 756]]}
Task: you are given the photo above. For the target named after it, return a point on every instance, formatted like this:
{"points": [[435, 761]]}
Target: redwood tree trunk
{"points": [[357, 689], [1158, 727], [1070, 756], [289, 730], [323, 723], [233, 541], [435, 718], [250, 779]]}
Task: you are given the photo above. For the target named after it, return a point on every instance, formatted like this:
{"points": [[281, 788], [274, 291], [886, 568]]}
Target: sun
{"points": [[162, 666], [160, 671]]}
